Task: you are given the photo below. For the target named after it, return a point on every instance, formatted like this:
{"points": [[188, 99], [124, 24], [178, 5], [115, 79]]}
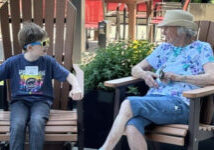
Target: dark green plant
{"points": [[114, 61]]}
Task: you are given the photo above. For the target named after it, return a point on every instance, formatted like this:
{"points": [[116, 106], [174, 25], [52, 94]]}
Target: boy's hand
{"points": [[76, 94]]}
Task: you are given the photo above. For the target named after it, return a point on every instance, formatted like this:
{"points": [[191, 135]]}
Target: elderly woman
{"points": [[181, 64]]}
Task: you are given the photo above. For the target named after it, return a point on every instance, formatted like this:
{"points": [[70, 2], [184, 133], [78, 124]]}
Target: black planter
{"points": [[98, 117]]}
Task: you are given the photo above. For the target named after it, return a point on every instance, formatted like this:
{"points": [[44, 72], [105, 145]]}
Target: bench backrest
{"points": [[205, 33], [57, 17]]}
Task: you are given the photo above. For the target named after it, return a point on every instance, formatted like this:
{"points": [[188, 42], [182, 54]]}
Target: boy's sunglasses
{"points": [[43, 43]]}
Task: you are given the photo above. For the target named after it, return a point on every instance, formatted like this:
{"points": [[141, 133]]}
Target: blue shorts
{"points": [[157, 109]]}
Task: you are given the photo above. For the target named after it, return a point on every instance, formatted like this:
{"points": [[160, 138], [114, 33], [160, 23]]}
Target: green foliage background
{"points": [[115, 61]]}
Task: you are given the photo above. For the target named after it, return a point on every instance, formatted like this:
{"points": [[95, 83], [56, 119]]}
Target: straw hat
{"points": [[179, 18]]}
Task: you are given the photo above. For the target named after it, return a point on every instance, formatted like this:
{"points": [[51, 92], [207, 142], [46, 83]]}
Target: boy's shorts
{"points": [[157, 109]]}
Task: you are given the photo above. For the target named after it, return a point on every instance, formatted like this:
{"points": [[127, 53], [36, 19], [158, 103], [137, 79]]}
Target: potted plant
{"points": [[114, 61]]}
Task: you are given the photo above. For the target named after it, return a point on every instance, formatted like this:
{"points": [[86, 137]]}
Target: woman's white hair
{"points": [[189, 32]]}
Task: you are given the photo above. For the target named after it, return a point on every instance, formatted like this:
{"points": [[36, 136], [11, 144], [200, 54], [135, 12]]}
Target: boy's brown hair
{"points": [[29, 33]]}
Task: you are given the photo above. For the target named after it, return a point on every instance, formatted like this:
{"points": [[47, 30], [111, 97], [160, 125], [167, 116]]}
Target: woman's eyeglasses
{"points": [[43, 43]]}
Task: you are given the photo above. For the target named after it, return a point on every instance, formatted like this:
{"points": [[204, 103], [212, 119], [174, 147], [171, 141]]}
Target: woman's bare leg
{"points": [[135, 139], [118, 127]]}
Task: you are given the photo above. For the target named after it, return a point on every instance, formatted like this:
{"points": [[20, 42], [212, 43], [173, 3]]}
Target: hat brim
{"points": [[181, 23]]}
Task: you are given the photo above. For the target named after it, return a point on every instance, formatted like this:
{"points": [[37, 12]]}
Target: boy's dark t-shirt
{"points": [[32, 81]]}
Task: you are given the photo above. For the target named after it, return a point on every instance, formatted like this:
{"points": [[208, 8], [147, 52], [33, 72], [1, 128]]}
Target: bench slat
{"points": [[166, 139], [48, 129], [48, 137], [54, 115], [60, 137], [49, 123], [168, 131], [205, 127], [180, 126]]}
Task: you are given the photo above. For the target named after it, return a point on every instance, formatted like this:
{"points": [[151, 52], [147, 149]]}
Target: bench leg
{"points": [[194, 124], [193, 145]]}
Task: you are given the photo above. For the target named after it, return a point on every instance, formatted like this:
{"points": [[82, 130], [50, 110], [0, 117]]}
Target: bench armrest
{"points": [[116, 83], [79, 75], [197, 93], [201, 92]]}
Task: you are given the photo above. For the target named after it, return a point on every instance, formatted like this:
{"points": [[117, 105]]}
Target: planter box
{"points": [[98, 116]]}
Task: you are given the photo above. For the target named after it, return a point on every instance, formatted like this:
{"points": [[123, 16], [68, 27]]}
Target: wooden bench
{"points": [[201, 107], [59, 20]]}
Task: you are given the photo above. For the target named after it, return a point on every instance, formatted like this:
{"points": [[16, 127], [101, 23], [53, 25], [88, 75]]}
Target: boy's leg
{"points": [[39, 116], [18, 120]]}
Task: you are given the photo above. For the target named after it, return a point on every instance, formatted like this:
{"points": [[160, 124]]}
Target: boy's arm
{"points": [[76, 93]]}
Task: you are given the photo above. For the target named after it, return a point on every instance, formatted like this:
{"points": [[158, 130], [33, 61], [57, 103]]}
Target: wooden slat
{"points": [[166, 139], [53, 116], [4, 137], [70, 30], [169, 131], [205, 127], [48, 137], [210, 38], [60, 129], [121, 82], [63, 123], [53, 111], [48, 129], [59, 44], [60, 137], [49, 123], [204, 27], [15, 19], [38, 12], [180, 126], [201, 92], [26, 10], [6, 39], [49, 17], [4, 129], [4, 117], [4, 123], [69, 43], [62, 118]]}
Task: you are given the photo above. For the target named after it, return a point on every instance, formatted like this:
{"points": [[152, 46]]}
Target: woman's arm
{"points": [[143, 70], [200, 80]]}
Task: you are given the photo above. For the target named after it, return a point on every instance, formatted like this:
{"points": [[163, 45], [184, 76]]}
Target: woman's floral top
{"points": [[188, 60]]}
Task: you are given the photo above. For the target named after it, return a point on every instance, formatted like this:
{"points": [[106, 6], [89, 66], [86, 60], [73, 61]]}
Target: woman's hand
{"points": [[169, 76], [76, 94], [149, 78]]}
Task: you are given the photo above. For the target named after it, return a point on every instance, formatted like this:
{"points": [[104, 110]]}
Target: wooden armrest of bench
{"points": [[79, 75], [122, 82], [201, 92], [197, 93]]}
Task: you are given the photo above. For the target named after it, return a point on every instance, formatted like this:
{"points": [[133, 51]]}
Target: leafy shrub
{"points": [[114, 61]]}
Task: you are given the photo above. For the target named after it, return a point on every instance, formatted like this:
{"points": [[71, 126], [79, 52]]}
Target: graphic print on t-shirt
{"points": [[31, 80]]}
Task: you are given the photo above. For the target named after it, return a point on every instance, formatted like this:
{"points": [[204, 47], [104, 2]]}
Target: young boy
{"points": [[31, 75]]}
